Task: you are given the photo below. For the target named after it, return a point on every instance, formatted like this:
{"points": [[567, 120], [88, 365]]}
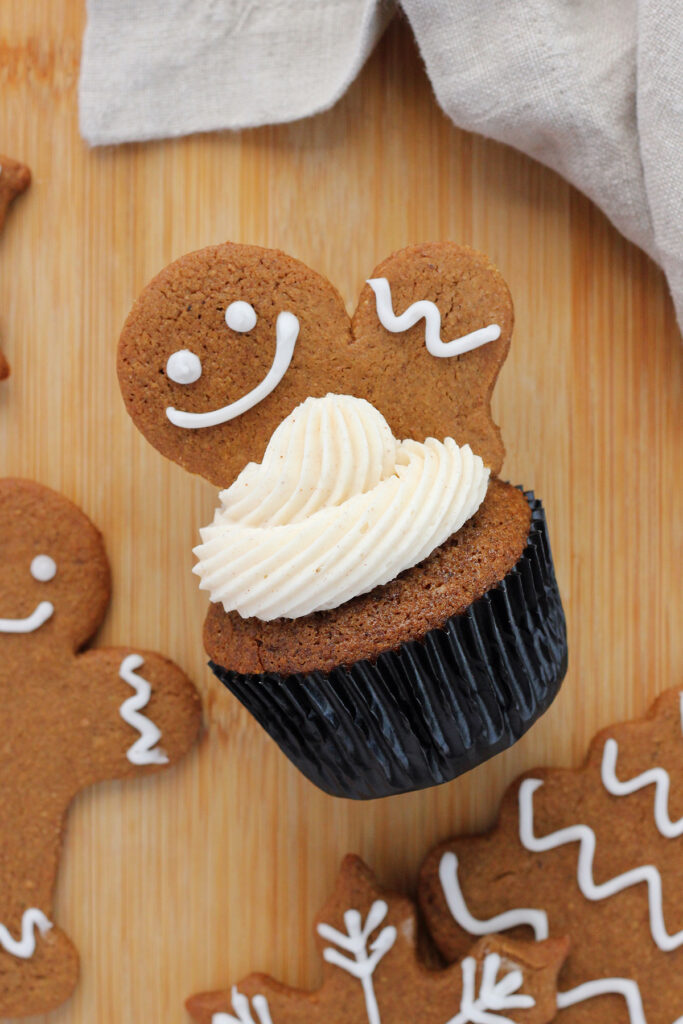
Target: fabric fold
{"points": [[592, 88]]}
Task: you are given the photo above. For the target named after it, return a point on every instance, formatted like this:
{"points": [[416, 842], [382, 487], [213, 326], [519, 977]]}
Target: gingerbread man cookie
{"points": [[367, 938], [14, 178], [224, 344], [67, 719], [595, 854], [382, 603]]}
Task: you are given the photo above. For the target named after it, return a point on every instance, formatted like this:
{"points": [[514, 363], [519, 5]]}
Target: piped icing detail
{"points": [[184, 367], [144, 750], [455, 901], [337, 507], [495, 993], [428, 311], [240, 316], [24, 947], [240, 1004], [43, 568], [585, 836], [538, 920], [362, 962], [625, 987], [657, 777], [480, 1004], [38, 617], [286, 333]]}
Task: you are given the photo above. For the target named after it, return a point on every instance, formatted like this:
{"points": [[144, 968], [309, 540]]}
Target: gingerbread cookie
{"points": [[226, 342], [381, 602], [14, 178], [595, 854], [67, 719], [367, 938]]}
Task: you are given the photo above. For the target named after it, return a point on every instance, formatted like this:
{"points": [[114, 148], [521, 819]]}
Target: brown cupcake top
{"points": [[446, 583]]}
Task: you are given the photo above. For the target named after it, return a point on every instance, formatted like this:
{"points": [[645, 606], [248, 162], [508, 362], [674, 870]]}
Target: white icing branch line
{"points": [[494, 993], [585, 836], [429, 312], [25, 947], [44, 611], [657, 777], [141, 752], [240, 1005], [625, 987], [450, 885], [286, 333], [356, 942]]}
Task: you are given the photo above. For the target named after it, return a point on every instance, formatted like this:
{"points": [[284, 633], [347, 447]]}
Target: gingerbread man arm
{"points": [[137, 712]]}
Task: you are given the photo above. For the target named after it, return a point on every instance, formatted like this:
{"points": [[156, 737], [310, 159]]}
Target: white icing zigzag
{"points": [[429, 312], [584, 835], [538, 920], [142, 751], [657, 777], [25, 947]]}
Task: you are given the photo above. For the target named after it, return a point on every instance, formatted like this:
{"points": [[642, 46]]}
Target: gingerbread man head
{"points": [[54, 578], [224, 343], [67, 719]]}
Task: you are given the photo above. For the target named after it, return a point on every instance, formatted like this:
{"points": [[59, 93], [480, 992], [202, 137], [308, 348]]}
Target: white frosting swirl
{"points": [[337, 507]]}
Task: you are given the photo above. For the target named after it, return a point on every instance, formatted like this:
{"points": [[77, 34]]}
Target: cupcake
{"points": [[381, 601]]}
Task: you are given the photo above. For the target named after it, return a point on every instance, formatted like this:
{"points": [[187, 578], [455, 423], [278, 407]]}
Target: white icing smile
{"points": [[44, 611], [184, 367], [43, 568]]}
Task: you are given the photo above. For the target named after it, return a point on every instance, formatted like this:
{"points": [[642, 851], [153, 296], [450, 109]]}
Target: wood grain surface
{"points": [[188, 881]]}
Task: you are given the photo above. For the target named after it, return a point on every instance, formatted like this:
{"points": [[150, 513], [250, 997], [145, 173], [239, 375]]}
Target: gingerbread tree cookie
{"points": [[595, 854], [14, 178], [67, 719], [367, 938]]}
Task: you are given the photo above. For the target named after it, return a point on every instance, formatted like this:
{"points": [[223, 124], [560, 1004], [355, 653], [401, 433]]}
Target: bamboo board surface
{"points": [[190, 880]]}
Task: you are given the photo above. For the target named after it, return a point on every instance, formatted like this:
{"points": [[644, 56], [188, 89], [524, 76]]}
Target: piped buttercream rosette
{"points": [[337, 507]]}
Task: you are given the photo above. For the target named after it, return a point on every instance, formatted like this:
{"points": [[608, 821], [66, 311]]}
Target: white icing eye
{"points": [[184, 367], [240, 316], [43, 568]]}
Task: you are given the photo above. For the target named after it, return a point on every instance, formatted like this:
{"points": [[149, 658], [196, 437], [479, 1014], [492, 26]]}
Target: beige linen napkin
{"points": [[592, 88]]}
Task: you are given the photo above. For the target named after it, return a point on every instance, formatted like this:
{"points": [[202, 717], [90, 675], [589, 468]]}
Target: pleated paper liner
{"points": [[434, 708]]}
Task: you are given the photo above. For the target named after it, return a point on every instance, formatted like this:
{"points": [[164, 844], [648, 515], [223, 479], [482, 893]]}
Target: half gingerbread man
{"points": [[67, 720]]}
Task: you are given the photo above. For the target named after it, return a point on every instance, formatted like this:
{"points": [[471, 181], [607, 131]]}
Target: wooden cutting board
{"points": [[189, 880]]}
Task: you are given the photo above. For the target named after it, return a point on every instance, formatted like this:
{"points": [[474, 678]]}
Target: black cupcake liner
{"points": [[434, 708]]}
